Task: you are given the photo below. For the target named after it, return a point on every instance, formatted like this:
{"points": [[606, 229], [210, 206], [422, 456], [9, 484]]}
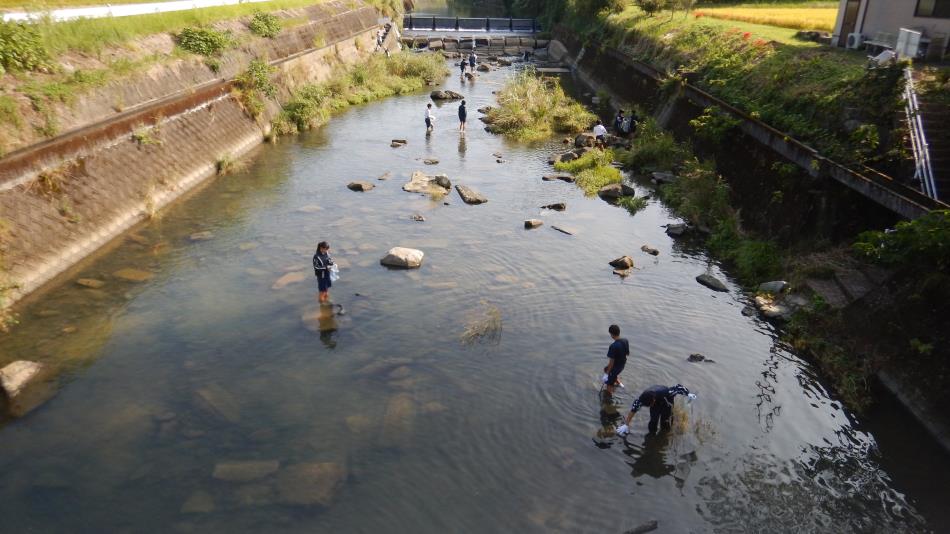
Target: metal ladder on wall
{"points": [[923, 168]]}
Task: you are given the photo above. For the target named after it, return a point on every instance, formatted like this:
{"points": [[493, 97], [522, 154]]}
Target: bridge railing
{"points": [[481, 24]]}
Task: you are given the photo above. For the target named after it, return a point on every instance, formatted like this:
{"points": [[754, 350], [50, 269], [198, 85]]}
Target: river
{"points": [[169, 384]]}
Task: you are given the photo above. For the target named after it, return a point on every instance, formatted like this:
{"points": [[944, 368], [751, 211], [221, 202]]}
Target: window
{"points": [[933, 8]]}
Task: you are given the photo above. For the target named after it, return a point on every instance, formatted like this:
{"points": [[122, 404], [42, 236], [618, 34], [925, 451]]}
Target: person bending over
{"points": [[660, 401]]}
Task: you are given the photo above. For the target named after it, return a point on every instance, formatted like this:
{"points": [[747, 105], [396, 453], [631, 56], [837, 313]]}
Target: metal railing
{"points": [[923, 170], [481, 24]]}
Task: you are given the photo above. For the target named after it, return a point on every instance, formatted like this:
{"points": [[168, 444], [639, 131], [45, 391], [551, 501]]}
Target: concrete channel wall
{"points": [[66, 198]]}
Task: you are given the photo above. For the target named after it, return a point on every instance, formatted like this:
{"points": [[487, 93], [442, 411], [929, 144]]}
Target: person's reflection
{"points": [[609, 417], [462, 145], [650, 458], [326, 320]]}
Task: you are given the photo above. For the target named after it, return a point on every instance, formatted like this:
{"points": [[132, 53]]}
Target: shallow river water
{"points": [[212, 362]]}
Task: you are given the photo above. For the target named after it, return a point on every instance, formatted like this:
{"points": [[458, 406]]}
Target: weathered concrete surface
{"points": [[24, 385]]}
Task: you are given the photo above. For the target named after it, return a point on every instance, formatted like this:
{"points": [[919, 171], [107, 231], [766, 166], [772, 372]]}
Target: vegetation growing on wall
{"points": [[378, 77], [254, 85], [533, 108], [21, 48], [264, 25]]}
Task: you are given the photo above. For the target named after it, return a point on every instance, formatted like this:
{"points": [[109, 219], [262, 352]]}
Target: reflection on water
{"points": [[216, 394]]}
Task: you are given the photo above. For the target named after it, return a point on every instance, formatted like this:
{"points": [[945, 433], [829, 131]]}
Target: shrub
{"points": [[632, 204], [591, 180], [257, 77], [265, 25], [532, 108], [21, 48], [594, 158], [923, 243], [654, 148], [714, 125], [204, 41]]}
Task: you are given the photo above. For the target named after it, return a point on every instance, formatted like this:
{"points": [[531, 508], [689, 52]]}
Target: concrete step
{"points": [[829, 291], [854, 283]]}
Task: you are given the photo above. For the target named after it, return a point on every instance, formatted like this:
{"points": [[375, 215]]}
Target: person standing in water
{"points": [[472, 59], [321, 269], [616, 358], [660, 401], [463, 114], [462, 68], [430, 118]]}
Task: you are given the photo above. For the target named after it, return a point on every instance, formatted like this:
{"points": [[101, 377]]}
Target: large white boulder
{"points": [[402, 257]]}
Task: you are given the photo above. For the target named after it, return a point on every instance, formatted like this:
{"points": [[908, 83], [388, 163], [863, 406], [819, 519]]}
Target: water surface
{"points": [[208, 363]]}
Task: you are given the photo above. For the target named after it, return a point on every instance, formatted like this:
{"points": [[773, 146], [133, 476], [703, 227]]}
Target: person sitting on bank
{"points": [[660, 401], [600, 132], [321, 269]]}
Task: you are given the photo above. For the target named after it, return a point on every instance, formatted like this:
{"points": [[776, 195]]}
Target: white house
{"points": [[877, 23]]}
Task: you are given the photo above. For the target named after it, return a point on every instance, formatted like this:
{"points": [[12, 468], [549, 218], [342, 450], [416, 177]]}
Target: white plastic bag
{"points": [[334, 273]]}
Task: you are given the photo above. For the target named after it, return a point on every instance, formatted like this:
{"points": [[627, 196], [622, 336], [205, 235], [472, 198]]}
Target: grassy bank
{"points": [[592, 171], [377, 78], [533, 108]]}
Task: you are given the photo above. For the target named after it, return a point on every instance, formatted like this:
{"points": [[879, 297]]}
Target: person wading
{"points": [[472, 59], [616, 358], [321, 269], [430, 118], [463, 114], [660, 401]]}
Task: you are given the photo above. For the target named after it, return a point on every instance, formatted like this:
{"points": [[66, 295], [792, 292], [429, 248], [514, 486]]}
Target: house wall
{"points": [[892, 15]]}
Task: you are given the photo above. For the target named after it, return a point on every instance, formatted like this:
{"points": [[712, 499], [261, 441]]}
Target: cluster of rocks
{"points": [[445, 95]]}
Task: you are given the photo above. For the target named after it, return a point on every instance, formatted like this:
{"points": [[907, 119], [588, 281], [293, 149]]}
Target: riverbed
{"points": [[189, 398]]}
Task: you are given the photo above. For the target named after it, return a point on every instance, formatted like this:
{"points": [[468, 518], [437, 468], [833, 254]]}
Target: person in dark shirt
{"points": [[617, 358], [463, 114], [618, 123], [660, 401], [321, 269]]}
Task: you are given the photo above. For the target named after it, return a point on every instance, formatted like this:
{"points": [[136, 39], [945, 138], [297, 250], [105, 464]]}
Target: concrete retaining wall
{"points": [[62, 200]]}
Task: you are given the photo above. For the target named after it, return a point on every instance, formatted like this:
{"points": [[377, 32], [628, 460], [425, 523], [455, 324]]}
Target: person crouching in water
{"points": [[321, 269], [660, 401]]}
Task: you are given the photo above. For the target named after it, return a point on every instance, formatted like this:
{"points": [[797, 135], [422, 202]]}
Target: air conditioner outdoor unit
{"points": [[855, 40]]}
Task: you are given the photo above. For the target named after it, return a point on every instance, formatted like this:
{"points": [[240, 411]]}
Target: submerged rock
{"points": [[562, 158], [288, 279], [562, 177], [562, 230], [90, 283], [712, 282], [649, 526], [360, 186], [469, 195], [623, 273], [661, 178], [623, 262], [200, 502], [417, 217], [650, 250], [133, 275], [585, 140], [430, 161], [557, 206], [532, 223], [310, 484], [403, 258], [201, 236], [698, 358], [244, 471]]}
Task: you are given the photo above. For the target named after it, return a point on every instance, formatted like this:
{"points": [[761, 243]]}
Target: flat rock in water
{"points": [[385, 176], [417, 217], [201, 236], [712, 282], [445, 95], [430, 161], [360, 186], [650, 250], [310, 484], [562, 177], [585, 140], [431, 185], [200, 502], [289, 278], [562, 158], [772, 308], [532, 223], [403, 258], [557, 206], [562, 230], [676, 230], [623, 262], [133, 275], [90, 282], [696, 358], [469, 195], [661, 178], [244, 471], [649, 526]]}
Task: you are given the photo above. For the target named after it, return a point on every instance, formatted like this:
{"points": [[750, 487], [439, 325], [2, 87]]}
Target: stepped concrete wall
{"points": [[63, 199]]}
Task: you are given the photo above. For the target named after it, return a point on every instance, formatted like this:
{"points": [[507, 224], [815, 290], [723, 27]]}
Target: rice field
{"points": [[807, 16]]}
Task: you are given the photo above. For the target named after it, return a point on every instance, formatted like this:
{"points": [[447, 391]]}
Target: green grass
{"points": [[594, 158], [592, 171], [377, 78], [8, 111], [533, 108], [632, 204]]}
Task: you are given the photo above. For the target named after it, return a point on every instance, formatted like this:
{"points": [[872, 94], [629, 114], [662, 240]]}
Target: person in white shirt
{"points": [[430, 118], [600, 132]]}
